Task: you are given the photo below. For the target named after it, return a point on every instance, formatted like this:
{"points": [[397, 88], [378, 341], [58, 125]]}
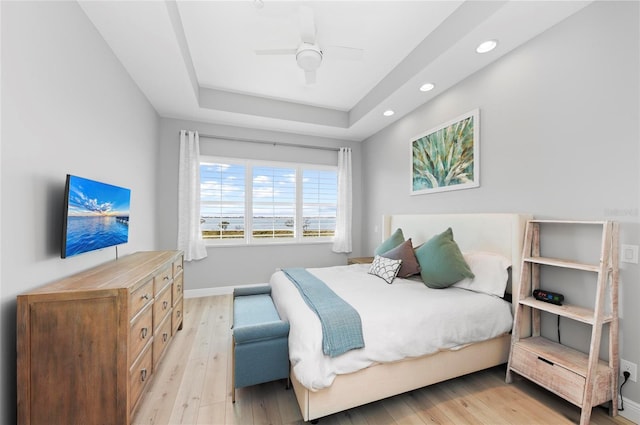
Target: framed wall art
{"points": [[447, 157]]}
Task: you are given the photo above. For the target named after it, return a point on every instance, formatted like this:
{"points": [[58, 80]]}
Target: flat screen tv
{"points": [[96, 216]]}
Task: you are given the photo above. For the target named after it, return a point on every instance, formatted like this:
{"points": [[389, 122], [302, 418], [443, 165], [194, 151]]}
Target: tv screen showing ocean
{"points": [[87, 233]]}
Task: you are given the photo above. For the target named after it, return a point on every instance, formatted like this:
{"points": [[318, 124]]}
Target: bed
{"points": [[356, 378]]}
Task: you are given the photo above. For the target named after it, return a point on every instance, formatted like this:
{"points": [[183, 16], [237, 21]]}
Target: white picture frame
{"points": [[446, 157]]}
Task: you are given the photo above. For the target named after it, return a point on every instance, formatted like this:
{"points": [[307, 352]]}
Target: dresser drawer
{"points": [[140, 297], [552, 376], [141, 332], [177, 317], [161, 306], [161, 338], [178, 287], [177, 267], [162, 279], [139, 375]]}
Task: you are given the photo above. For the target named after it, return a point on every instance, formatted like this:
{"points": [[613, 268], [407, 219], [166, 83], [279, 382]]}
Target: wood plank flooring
{"points": [[193, 386]]}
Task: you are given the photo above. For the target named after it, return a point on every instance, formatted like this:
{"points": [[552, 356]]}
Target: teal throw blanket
{"points": [[341, 324]]}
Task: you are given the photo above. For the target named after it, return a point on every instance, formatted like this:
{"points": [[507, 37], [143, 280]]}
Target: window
{"points": [[274, 202], [222, 204], [319, 203], [245, 201]]}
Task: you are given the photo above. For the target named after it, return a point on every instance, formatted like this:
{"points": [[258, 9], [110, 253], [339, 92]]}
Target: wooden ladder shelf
{"points": [[581, 378]]}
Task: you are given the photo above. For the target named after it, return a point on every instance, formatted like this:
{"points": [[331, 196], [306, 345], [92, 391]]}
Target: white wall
{"points": [[239, 265], [559, 139], [68, 106]]}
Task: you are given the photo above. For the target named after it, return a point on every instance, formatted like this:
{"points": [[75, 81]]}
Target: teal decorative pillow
{"points": [[404, 252], [392, 241], [385, 268], [441, 261]]}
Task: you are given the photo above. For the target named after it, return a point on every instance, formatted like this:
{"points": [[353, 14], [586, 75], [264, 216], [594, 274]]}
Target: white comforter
{"points": [[404, 319]]}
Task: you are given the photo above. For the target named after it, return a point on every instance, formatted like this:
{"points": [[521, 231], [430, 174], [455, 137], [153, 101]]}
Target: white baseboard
{"points": [[209, 292], [631, 411]]}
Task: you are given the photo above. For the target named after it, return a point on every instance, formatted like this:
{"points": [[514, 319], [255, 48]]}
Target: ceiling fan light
{"points": [[486, 46], [388, 113], [309, 59]]}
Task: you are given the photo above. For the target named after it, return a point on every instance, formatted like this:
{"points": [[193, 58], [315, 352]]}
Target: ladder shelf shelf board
{"points": [[586, 222], [581, 314], [563, 263], [581, 378]]}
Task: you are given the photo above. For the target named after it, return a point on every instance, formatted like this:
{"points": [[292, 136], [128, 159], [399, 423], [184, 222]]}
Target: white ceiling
{"points": [[196, 60]]}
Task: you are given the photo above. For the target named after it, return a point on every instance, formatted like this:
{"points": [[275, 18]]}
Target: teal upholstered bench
{"points": [[260, 339]]}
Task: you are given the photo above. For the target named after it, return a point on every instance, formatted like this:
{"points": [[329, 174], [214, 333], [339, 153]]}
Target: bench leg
{"points": [[233, 371]]}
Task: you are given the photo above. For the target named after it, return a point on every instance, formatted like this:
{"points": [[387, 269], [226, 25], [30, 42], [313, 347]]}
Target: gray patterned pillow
{"points": [[385, 268]]}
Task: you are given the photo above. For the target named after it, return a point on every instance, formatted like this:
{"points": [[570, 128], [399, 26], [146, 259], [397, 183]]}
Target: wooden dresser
{"points": [[87, 345]]}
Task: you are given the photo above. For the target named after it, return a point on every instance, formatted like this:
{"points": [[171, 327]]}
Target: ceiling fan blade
{"points": [[344, 53], [310, 77], [276, 52], [307, 25]]}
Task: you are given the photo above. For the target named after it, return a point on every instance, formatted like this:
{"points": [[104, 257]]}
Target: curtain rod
{"points": [[266, 142]]}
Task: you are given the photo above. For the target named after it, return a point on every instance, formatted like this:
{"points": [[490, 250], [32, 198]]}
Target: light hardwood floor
{"points": [[193, 383]]}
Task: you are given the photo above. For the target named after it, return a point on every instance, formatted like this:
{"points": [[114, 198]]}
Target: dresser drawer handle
{"points": [[165, 278], [143, 374], [164, 337], [164, 305], [179, 313], [179, 267], [145, 297], [143, 332], [179, 288], [545, 360]]}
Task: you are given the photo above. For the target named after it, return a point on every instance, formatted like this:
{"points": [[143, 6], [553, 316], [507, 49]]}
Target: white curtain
{"points": [[342, 238], [189, 234]]}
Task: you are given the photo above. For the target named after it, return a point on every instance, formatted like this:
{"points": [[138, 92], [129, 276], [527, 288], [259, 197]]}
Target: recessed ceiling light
{"points": [[388, 113], [427, 87], [487, 46]]}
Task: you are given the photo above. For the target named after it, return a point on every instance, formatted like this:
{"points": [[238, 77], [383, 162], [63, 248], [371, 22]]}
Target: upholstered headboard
{"points": [[499, 233]]}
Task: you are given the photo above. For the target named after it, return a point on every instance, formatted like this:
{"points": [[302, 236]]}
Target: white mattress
{"points": [[404, 319]]}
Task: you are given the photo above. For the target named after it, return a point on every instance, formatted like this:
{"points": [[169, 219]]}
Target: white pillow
{"points": [[386, 268], [490, 270]]}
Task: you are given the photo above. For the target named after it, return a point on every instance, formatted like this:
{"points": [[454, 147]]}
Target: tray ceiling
{"points": [[197, 60]]}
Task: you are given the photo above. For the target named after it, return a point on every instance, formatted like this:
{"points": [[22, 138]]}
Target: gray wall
{"points": [[559, 139], [68, 106], [239, 265]]}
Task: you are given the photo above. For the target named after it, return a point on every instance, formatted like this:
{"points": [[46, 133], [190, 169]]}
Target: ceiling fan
{"points": [[309, 54]]}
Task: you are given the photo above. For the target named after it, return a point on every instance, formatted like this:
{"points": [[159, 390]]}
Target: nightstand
{"points": [[359, 260]]}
